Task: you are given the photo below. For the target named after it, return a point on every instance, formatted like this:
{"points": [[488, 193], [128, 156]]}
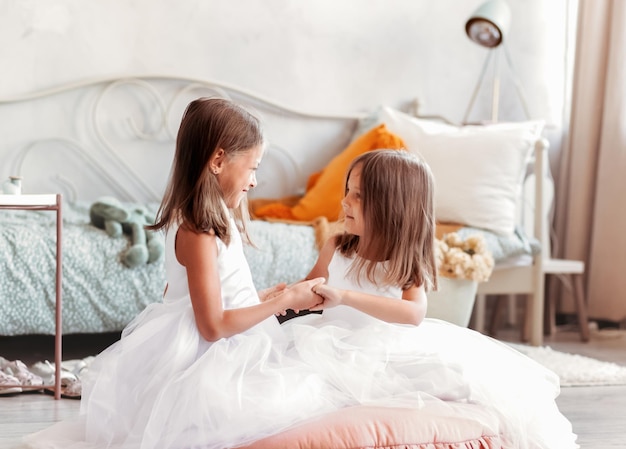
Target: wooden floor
{"points": [[598, 414]]}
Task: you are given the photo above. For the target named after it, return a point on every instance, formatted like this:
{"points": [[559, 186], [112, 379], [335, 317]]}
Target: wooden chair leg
{"points": [[495, 315], [549, 318], [525, 324], [581, 306], [511, 310]]}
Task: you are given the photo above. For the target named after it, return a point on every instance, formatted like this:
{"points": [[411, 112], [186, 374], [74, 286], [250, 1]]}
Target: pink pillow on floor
{"points": [[365, 427]]}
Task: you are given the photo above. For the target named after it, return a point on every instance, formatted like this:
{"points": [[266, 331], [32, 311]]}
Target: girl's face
{"points": [[351, 204], [237, 175]]}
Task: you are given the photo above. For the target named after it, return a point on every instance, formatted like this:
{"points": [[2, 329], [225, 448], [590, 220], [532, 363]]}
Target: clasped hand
{"points": [[311, 294]]}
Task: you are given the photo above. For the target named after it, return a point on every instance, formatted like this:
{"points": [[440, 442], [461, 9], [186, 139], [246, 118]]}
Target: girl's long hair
{"points": [[193, 195], [397, 203]]}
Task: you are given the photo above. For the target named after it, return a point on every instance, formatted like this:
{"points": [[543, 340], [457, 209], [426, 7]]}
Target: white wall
{"points": [[322, 56]]}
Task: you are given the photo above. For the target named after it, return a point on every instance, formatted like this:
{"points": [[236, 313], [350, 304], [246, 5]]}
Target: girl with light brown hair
{"points": [[388, 241], [373, 342]]}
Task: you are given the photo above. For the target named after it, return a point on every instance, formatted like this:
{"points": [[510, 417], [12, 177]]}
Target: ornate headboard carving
{"points": [[116, 136]]}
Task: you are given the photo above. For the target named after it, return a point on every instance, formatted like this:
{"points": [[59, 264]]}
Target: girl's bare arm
{"points": [[411, 309], [320, 269], [198, 253]]}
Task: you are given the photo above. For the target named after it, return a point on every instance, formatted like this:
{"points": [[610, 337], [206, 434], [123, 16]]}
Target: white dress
{"points": [[435, 360], [163, 386]]}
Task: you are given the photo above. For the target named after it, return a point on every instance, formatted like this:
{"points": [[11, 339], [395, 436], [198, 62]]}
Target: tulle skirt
{"points": [[163, 386], [438, 362]]}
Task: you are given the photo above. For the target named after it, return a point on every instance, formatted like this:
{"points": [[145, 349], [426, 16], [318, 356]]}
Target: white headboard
{"points": [[116, 137]]}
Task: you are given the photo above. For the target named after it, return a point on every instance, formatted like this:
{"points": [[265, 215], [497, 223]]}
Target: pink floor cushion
{"points": [[462, 426]]}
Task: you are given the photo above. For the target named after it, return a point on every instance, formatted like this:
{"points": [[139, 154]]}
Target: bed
{"points": [[93, 139], [114, 137]]}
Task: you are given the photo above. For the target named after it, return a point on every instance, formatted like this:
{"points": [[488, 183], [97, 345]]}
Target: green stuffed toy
{"points": [[110, 214]]}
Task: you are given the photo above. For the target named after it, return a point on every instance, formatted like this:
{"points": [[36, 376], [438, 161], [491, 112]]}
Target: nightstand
{"points": [[47, 202]]}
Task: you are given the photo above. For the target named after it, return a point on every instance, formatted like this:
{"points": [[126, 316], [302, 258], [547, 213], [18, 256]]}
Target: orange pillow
{"points": [[326, 189]]}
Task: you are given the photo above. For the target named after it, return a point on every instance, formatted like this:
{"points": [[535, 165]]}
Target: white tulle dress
{"points": [[163, 386]]}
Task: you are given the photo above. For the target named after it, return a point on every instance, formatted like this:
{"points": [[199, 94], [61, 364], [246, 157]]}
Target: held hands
{"points": [[300, 295], [303, 295], [331, 297], [269, 293]]}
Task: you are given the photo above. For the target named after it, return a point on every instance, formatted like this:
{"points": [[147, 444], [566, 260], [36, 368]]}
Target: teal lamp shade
{"points": [[489, 23]]}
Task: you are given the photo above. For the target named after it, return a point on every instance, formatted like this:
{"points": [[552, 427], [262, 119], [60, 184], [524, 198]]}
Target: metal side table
{"points": [[47, 202]]}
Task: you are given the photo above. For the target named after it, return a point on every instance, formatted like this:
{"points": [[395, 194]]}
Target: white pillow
{"points": [[478, 170]]}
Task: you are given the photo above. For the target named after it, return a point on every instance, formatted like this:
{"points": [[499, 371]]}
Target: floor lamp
{"points": [[488, 27]]}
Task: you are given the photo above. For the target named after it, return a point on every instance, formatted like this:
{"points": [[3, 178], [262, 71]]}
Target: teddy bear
{"points": [[115, 219]]}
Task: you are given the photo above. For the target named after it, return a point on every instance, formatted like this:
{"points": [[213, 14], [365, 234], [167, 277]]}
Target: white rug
{"points": [[574, 369]]}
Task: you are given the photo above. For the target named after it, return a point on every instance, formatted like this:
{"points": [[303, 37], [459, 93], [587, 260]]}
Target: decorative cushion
{"points": [[457, 426], [325, 189], [478, 170]]}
